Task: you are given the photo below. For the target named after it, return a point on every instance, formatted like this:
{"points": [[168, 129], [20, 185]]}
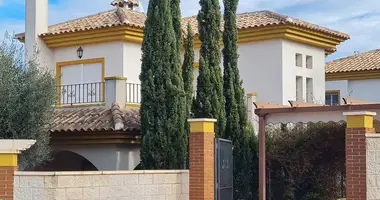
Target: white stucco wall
{"points": [[356, 89], [317, 73], [112, 53], [132, 62], [260, 69], [256, 63], [365, 89], [106, 157], [128, 185], [36, 24]]}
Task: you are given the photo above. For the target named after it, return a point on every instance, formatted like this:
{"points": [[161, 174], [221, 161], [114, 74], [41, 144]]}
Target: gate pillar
{"points": [[358, 125], [202, 161], [9, 150]]}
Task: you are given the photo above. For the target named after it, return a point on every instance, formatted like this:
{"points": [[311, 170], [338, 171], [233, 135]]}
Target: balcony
{"points": [[76, 94], [95, 93]]}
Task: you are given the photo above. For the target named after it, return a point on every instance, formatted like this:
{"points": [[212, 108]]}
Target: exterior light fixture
{"points": [[80, 53]]}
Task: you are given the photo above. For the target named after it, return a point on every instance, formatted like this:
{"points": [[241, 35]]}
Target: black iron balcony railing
{"points": [[133, 93], [85, 93]]}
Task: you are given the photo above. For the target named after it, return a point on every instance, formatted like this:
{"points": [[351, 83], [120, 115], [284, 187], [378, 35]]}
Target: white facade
{"points": [[269, 69], [364, 90]]}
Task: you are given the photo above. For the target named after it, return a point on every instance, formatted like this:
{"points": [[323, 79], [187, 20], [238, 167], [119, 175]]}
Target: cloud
{"points": [[360, 19]]}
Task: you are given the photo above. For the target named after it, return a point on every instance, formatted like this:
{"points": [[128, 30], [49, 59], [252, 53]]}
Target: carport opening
{"points": [[68, 161]]}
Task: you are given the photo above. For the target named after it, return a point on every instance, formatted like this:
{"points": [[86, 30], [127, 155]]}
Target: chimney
{"points": [[36, 23], [126, 4]]}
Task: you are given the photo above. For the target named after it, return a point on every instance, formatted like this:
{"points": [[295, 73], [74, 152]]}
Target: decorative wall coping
{"points": [[15, 146], [24, 173], [366, 113], [201, 120], [372, 135]]}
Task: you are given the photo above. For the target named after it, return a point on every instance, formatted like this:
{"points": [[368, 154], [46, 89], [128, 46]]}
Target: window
{"points": [[299, 89], [332, 97], [309, 62], [81, 81], [309, 90], [298, 60]]}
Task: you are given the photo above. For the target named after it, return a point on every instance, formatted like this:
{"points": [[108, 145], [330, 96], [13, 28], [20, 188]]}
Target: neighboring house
{"points": [[97, 60], [356, 77]]}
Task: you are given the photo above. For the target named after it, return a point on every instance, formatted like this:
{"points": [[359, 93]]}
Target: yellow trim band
{"points": [[8, 160], [202, 127], [96, 36], [117, 78], [359, 121], [252, 94]]}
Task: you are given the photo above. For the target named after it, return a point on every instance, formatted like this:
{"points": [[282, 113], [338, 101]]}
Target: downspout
{"points": [[262, 159]]}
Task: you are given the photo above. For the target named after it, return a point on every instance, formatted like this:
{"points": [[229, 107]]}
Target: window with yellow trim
{"points": [[81, 81], [332, 97]]}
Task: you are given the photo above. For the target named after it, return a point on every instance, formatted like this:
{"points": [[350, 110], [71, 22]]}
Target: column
{"points": [[202, 162], [9, 150], [115, 91], [358, 125]]}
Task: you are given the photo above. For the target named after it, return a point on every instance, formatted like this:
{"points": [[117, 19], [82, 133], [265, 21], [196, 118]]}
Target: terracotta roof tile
{"points": [[121, 16], [268, 18], [111, 18], [96, 119], [362, 62]]}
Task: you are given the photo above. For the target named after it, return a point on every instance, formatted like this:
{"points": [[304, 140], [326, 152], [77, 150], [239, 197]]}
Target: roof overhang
{"points": [[319, 39], [353, 75], [303, 35], [313, 113], [94, 36], [96, 137]]}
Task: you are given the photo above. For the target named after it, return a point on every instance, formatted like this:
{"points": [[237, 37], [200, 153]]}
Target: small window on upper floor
{"points": [[298, 60], [309, 90], [299, 88], [332, 97], [309, 62]]}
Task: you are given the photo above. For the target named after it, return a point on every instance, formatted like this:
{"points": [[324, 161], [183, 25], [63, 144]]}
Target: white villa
{"points": [[355, 77], [97, 61]]}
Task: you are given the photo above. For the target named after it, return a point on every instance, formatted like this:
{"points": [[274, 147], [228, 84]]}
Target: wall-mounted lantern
{"points": [[80, 53]]}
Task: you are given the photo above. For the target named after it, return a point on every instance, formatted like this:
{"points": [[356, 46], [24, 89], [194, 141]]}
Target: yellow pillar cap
{"points": [[362, 119], [202, 125], [8, 160]]}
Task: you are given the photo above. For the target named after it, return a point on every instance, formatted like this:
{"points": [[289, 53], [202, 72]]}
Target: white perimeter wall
{"points": [[373, 166], [126, 185], [317, 73], [106, 157], [357, 89]]}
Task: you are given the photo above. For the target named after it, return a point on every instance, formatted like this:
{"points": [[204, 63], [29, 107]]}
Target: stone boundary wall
{"points": [[373, 166], [106, 185]]}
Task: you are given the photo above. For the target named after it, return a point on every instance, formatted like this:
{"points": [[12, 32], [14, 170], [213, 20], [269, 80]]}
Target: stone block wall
{"points": [[373, 166], [115, 185]]}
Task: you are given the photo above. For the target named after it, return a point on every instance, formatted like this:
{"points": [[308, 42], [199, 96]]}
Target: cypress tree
{"points": [[177, 19], [188, 73], [236, 111], [164, 142], [210, 100]]}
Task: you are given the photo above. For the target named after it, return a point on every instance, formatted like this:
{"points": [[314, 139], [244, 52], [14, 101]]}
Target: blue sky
{"points": [[360, 19]]}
